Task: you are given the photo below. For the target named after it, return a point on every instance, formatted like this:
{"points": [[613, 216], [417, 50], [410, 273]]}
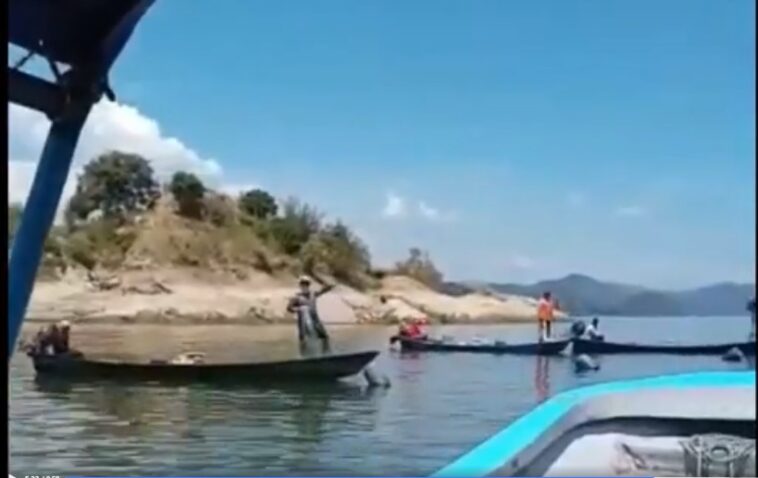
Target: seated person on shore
{"points": [[592, 332]]}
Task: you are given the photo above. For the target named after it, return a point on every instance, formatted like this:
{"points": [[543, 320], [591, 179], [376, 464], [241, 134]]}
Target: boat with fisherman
{"points": [[594, 343], [580, 343], [87, 37]]}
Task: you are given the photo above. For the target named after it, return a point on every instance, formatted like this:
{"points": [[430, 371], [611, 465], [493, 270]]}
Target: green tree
{"points": [[340, 251], [117, 184], [295, 226], [188, 191], [15, 211], [258, 203], [419, 266]]}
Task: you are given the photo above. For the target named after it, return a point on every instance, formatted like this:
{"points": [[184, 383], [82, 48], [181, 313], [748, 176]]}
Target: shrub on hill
{"points": [[338, 252], [419, 266], [188, 191], [294, 227], [117, 184], [258, 203]]}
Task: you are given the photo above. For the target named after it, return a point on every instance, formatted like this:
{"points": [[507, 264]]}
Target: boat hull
{"points": [[590, 347], [322, 368], [537, 348]]}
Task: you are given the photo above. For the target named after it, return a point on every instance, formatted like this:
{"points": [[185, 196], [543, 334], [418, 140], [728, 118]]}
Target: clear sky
{"points": [[514, 140]]}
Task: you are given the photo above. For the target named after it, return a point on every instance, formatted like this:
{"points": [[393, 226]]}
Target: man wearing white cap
{"points": [[303, 303], [61, 345]]}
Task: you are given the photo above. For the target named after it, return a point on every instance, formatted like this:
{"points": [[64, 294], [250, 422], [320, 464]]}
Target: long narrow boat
{"points": [[583, 346], [322, 368], [87, 37], [535, 348], [700, 424]]}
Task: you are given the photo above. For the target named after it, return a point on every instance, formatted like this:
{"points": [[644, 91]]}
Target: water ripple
{"points": [[438, 407]]}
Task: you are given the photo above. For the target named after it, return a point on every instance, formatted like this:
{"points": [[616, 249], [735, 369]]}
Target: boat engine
{"points": [[577, 328], [734, 355]]}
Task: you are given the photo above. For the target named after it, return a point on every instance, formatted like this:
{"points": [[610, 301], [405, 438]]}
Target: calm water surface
{"points": [[439, 406]]}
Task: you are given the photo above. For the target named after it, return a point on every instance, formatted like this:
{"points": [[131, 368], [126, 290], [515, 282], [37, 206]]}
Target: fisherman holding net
{"points": [[309, 325]]}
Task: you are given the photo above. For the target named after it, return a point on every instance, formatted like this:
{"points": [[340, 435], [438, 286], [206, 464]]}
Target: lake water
{"points": [[439, 405]]}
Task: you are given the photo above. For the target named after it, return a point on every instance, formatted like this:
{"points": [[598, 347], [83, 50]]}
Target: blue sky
{"points": [[514, 140]]}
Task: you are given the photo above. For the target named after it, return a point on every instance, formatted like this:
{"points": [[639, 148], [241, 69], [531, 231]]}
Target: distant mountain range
{"points": [[582, 295]]}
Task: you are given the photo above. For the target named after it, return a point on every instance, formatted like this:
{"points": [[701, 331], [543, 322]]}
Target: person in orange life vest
{"points": [[545, 312]]}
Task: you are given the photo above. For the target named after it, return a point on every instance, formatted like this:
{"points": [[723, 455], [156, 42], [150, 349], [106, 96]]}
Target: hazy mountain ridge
{"points": [[584, 295]]}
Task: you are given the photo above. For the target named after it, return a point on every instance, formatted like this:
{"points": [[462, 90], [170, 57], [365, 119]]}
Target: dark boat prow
{"points": [[547, 347], [311, 369]]}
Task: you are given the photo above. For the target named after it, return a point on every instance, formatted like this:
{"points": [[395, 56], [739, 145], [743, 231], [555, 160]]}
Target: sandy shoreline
{"points": [[178, 297], [148, 319]]}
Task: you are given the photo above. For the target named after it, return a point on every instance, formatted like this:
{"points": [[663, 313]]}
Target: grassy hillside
{"points": [[122, 218]]}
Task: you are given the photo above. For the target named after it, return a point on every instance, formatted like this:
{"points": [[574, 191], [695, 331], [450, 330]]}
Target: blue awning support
{"points": [[38, 217], [87, 36]]}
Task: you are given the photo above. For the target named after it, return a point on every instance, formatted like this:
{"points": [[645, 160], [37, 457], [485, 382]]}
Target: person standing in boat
{"points": [[593, 332], [303, 303], [61, 340], [545, 313], [751, 310]]}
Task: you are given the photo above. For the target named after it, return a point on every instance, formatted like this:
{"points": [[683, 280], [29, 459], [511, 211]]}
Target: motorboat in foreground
{"points": [[700, 424]]}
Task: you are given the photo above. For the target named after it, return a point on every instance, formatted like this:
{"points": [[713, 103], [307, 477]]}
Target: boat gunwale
{"points": [[311, 369], [209, 365], [526, 348], [748, 346]]}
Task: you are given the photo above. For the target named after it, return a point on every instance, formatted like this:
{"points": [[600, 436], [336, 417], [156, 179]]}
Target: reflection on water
{"points": [[133, 426], [542, 377], [439, 405]]}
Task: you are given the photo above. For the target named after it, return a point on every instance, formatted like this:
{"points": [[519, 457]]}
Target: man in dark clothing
{"points": [[53, 340], [303, 303]]}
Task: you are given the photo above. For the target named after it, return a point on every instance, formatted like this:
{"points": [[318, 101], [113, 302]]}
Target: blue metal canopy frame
{"points": [[87, 37]]}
